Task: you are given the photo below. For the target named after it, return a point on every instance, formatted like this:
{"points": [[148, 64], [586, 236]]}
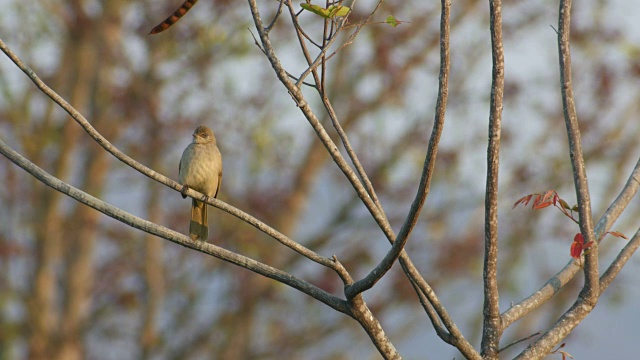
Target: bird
{"points": [[200, 169]]}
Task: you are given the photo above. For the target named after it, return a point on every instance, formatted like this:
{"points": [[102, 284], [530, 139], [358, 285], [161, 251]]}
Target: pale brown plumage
{"points": [[201, 170]]}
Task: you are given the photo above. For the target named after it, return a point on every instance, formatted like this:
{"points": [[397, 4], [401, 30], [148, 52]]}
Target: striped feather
{"points": [[173, 18]]}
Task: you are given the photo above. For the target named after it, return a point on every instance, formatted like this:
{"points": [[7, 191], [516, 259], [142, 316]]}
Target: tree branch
{"points": [[159, 177], [590, 293], [591, 285], [407, 265], [173, 236], [554, 284], [616, 265], [492, 328], [373, 328], [427, 171]]}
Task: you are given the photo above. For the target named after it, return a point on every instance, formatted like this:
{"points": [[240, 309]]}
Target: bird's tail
{"points": [[198, 228]]}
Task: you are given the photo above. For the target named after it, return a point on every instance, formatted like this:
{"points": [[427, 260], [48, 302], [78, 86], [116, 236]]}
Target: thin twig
{"points": [[519, 341], [359, 27], [305, 51], [616, 265], [275, 18], [323, 51]]}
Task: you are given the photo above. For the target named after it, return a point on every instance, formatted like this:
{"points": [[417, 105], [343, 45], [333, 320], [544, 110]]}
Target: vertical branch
{"points": [[492, 328], [591, 288]]}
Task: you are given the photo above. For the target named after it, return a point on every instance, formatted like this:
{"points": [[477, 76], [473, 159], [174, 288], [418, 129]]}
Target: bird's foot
{"points": [[185, 187]]}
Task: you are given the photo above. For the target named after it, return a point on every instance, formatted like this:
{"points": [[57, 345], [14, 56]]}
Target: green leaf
{"points": [[338, 10], [564, 204], [330, 13], [391, 21], [316, 9]]}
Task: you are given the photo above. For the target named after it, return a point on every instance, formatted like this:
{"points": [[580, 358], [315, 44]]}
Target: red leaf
{"points": [[550, 194], [578, 238], [524, 199], [542, 205], [577, 246], [618, 234], [576, 250]]}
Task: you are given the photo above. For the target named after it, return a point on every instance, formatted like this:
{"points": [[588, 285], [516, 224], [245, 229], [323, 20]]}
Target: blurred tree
{"points": [[80, 285]]}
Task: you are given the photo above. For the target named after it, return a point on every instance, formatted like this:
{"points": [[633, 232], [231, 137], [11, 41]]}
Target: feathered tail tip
{"points": [[173, 18]]}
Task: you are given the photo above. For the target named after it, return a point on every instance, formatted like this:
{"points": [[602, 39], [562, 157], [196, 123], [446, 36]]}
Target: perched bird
{"points": [[201, 170]]}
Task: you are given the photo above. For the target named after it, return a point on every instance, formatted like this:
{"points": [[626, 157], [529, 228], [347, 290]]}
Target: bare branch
{"points": [[373, 328], [159, 177], [433, 316], [590, 293], [331, 147], [352, 154], [519, 341], [332, 115], [567, 322], [616, 265], [275, 17], [492, 328], [173, 236], [319, 58], [355, 33], [408, 267], [429, 164], [554, 284], [590, 290]]}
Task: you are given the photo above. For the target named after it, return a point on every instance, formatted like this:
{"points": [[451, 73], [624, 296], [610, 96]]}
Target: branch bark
{"points": [[559, 280], [427, 171], [407, 265], [590, 293], [590, 290], [492, 327]]}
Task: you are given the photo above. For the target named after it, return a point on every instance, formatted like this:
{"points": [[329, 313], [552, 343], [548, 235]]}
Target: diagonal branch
{"points": [[173, 236], [407, 265], [554, 284], [352, 154], [322, 134], [616, 265], [159, 177], [321, 90], [492, 328], [427, 171]]}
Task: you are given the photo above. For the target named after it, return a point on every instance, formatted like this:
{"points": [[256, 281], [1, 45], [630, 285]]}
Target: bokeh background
{"points": [[75, 284]]}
